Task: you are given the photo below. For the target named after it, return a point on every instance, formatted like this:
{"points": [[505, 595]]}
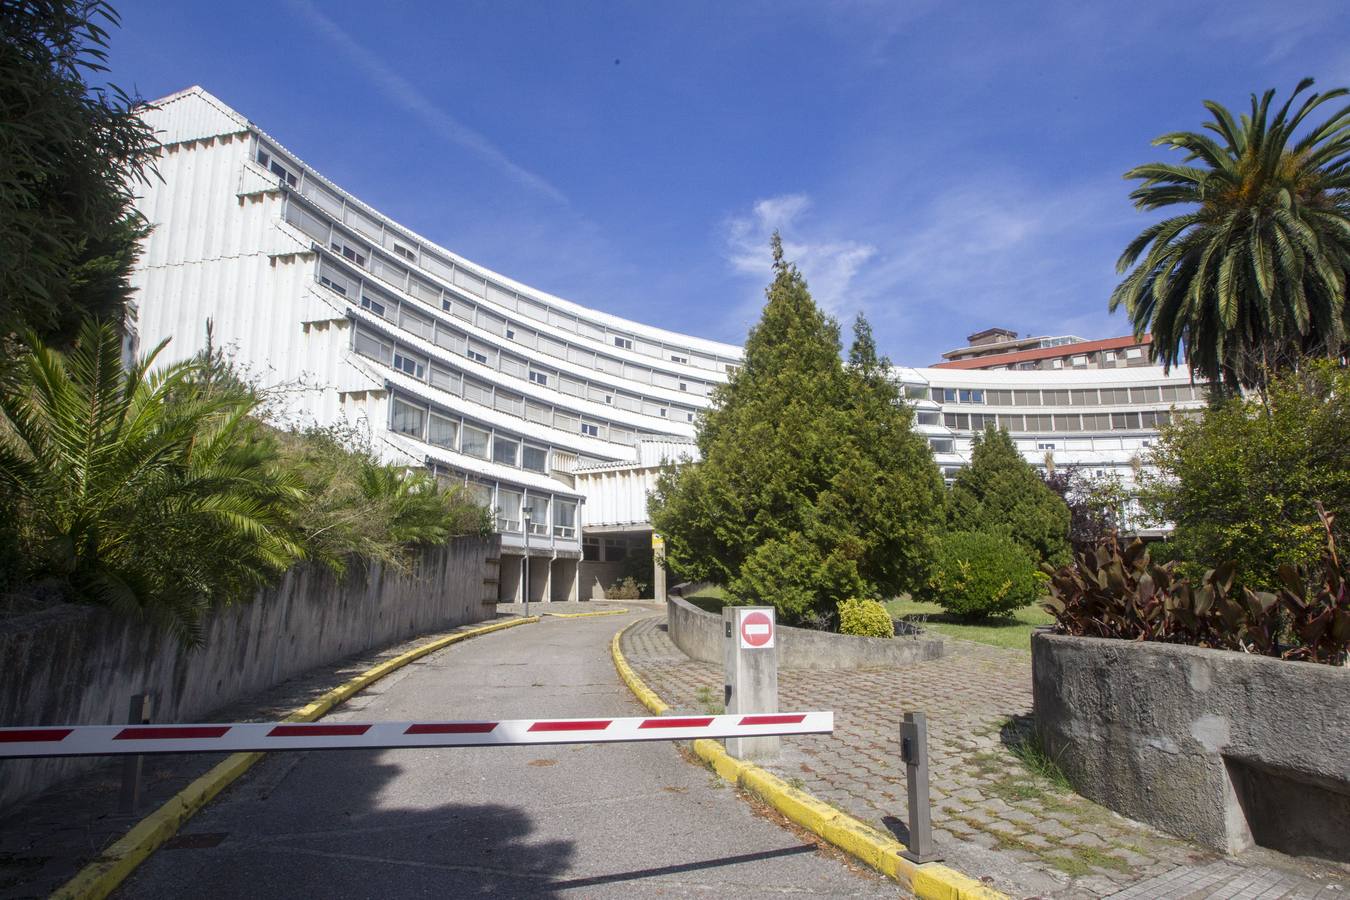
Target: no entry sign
{"points": [[756, 628]]}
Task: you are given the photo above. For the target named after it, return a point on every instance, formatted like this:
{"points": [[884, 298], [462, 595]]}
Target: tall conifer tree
{"points": [[812, 487]]}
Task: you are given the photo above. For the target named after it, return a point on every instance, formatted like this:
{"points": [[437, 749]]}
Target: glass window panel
{"points": [[564, 518], [474, 442], [407, 419], [508, 510], [535, 459], [441, 431], [368, 344], [536, 509], [505, 450]]}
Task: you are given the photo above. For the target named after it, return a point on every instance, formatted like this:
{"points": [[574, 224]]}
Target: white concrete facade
{"points": [[542, 407]]}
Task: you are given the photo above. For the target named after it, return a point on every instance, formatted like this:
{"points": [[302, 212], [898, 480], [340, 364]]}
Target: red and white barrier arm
{"points": [[110, 740]]}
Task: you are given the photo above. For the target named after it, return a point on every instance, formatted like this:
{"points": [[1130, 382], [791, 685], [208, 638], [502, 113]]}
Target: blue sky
{"points": [[942, 167]]}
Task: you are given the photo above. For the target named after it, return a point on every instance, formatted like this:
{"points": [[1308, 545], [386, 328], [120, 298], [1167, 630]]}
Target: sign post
{"points": [[750, 666], [658, 568]]}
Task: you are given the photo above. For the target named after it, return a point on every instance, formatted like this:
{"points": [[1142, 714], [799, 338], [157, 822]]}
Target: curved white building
{"points": [[556, 415]]}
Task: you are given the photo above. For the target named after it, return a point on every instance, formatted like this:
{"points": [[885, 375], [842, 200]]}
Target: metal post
{"points": [[914, 753], [525, 565], [142, 707]]}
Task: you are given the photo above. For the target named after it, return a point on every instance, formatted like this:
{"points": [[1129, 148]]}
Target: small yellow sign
{"points": [[658, 542]]}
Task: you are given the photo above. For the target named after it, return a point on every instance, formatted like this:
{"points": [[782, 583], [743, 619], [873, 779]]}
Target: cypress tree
{"points": [[1001, 492], [812, 486]]}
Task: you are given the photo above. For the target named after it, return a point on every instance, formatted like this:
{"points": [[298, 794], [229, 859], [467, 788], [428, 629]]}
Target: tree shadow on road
{"points": [[335, 824]]}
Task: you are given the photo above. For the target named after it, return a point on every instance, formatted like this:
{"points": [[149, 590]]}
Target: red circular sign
{"points": [[756, 629]]}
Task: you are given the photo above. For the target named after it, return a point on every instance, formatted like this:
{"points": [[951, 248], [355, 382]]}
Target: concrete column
{"points": [[751, 680], [509, 580], [658, 568]]}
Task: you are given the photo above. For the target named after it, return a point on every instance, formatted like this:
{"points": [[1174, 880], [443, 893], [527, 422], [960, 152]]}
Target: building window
{"points": [[508, 510], [590, 430], [564, 519], [689, 417], [374, 306], [684, 386], [407, 419], [476, 356], [405, 252], [623, 342], [349, 252], [1045, 445], [409, 364], [661, 412], [941, 445], [441, 431], [276, 168], [590, 549], [684, 360], [535, 459], [505, 450], [510, 333], [368, 345], [474, 442], [539, 378], [536, 512], [334, 283]]}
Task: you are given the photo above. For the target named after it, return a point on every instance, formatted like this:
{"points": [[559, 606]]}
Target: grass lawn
{"points": [[709, 599], [1013, 631]]}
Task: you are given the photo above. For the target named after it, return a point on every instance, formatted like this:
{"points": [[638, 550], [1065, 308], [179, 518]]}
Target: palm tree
{"points": [[149, 492], [1254, 276]]}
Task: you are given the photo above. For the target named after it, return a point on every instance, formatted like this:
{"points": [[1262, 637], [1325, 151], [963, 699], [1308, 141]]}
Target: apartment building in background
{"points": [[556, 416]]}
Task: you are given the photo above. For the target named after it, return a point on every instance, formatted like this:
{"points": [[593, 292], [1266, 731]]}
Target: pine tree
{"points": [[1001, 492], [812, 487]]}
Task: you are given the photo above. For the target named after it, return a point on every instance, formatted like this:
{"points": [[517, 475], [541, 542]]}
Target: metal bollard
{"points": [[142, 707], [914, 753]]}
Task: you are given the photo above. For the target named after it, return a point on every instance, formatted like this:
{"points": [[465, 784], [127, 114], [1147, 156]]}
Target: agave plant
{"points": [[137, 489], [1254, 274]]}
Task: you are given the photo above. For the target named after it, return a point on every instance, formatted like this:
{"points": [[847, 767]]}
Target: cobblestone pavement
{"points": [[993, 817]]}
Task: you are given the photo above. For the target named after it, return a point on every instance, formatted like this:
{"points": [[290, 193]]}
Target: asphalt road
{"points": [[606, 820]]}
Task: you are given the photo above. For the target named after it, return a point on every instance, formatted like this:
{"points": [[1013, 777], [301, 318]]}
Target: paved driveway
{"points": [[610, 820]]}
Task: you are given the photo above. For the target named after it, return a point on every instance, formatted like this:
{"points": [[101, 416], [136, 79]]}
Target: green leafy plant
{"points": [[143, 491], [865, 617], [1116, 592], [1001, 492], [976, 575]]}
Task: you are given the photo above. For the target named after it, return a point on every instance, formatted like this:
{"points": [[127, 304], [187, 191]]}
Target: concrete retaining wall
{"points": [[699, 634], [1225, 748], [81, 664]]}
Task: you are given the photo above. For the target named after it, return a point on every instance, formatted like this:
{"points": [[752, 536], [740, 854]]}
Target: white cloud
{"points": [[403, 93], [829, 264], [991, 252]]}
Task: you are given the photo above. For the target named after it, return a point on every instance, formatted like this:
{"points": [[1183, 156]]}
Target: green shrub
{"points": [[976, 575], [625, 589], [864, 617]]}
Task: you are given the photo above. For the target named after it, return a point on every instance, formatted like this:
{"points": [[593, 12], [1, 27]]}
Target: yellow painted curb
{"points": [[599, 612], [102, 876], [878, 850]]}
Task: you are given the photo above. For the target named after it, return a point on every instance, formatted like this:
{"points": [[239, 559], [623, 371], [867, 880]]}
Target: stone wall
{"points": [[79, 664], [1225, 748], [700, 635]]}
